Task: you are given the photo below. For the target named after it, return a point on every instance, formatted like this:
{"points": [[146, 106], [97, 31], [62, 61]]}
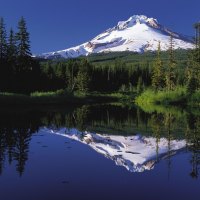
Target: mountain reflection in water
{"points": [[135, 153], [131, 137]]}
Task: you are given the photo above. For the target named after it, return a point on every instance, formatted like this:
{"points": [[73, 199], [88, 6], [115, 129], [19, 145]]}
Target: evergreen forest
{"points": [[172, 76]]}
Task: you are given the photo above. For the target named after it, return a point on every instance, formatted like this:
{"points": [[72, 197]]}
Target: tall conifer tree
{"points": [[158, 72], [3, 43], [23, 42], [193, 70], [12, 49], [170, 75]]}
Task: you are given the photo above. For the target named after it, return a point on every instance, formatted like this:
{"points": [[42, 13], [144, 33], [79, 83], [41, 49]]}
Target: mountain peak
{"points": [[137, 19], [137, 34]]}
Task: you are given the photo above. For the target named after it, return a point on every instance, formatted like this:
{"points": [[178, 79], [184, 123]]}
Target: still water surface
{"points": [[99, 152]]}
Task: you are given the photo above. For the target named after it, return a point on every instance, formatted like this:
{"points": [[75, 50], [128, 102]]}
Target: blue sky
{"points": [[59, 24]]}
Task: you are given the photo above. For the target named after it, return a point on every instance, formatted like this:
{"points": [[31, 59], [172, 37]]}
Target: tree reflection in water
{"points": [[16, 130], [17, 127]]}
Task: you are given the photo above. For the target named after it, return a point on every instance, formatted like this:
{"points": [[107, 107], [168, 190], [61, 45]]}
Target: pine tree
{"points": [[22, 37], [196, 56], [197, 41], [25, 63], [11, 60], [193, 68], [49, 71], [158, 72], [170, 75], [82, 82], [3, 56], [83, 78], [71, 72], [3, 43], [12, 49], [61, 71]]}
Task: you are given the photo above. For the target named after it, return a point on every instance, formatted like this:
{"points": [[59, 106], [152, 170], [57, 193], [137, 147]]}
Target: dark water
{"points": [[77, 153]]}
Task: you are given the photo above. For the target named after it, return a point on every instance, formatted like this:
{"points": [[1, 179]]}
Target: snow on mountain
{"points": [[135, 153], [138, 34]]}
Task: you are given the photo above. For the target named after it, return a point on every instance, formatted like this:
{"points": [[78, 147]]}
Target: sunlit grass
{"points": [[162, 97]]}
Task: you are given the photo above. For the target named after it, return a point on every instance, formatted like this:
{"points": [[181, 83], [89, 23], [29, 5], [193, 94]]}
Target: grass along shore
{"points": [[178, 97], [61, 97]]}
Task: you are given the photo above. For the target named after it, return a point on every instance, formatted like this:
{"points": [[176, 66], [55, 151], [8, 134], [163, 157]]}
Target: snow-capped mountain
{"points": [[138, 34], [135, 153]]}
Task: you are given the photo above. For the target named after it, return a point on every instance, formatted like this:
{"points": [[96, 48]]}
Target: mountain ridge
{"points": [[137, 34]]}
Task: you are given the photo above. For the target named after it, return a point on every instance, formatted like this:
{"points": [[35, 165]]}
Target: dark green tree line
{"points": [[18, 70]]}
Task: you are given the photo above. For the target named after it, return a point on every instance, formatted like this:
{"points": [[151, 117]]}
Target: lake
{"points": [[103, 151]]}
